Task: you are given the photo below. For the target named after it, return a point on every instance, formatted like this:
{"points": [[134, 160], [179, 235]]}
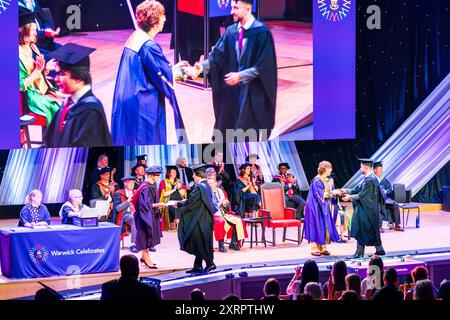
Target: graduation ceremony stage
{"points": [[293, 42], [427, 244]]}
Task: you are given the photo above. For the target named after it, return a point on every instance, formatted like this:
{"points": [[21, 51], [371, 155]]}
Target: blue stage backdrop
{"points": [[53, 171], [161, 155]]}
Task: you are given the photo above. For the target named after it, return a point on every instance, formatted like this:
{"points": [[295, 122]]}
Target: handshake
{"points": [[184, 71]]}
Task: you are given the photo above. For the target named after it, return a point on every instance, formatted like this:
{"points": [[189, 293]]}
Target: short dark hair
{"points": [[197, 295], [350, 295], [78, 73], [129, 266], [390, 276], [231, 298], [201, 174], [272, 287], [354, 282]]}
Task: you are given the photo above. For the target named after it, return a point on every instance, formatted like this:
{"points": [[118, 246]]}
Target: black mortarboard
{"points": [[141, 157], [72, 55], [103, 171], [367, 162], [201, 167], [170, 167], [284, 164], [128, 178], [378, 164], [251, 155], [154, 170], [26, 16], [244, 165]]}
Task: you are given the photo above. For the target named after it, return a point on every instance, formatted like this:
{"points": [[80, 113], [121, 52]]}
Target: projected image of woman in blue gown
{"points": [[143, 83]]}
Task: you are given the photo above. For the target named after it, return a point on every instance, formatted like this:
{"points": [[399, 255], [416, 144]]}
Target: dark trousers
{"points": [[298, 203], [199, 262], [393, 211], [360, 249]]}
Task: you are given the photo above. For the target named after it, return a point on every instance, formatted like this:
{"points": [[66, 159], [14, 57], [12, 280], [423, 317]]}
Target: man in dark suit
{"points": [[196, 223], [81, 121], [127, 287], [185, 174]]}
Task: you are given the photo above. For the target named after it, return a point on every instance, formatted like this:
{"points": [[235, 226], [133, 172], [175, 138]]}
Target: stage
{"points": [[432, 236], [293, 44]]}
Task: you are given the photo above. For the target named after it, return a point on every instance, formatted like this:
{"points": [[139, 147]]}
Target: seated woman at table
{"points": [[72, 208], [34, 213]]}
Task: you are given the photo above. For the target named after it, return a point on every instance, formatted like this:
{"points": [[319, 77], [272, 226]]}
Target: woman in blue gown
{"points": [[320, 228], [144, 82], [34, 214]]}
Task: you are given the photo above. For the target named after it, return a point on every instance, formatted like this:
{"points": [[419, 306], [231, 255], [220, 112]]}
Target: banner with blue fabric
{"points": [[59, 250]]}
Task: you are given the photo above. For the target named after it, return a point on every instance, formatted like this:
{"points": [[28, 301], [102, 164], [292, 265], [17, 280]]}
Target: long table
{"points": [[59, 250]]}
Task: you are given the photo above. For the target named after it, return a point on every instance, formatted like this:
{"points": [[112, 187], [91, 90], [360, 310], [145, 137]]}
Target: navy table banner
{"points": [[59, 250]]}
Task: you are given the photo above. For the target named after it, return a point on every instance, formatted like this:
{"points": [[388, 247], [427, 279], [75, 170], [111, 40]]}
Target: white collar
{"points": [[248, 24], [80, 93]]}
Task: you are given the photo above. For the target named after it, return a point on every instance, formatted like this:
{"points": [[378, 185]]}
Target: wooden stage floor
{"points": [[293, 41], [433, 234]]}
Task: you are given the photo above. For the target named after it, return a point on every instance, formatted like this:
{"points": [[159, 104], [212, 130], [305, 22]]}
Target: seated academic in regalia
{"points": [[144, 81], [72, 208], [81, 121]]}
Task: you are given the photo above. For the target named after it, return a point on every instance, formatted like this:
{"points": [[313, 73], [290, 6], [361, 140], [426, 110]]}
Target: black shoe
{"points": [[341, 241], [195, 270], [210, 268], [355, 256], [222, 247], [152, 249], [133, 249], [148, 265], [380, 253], [234, 246]]}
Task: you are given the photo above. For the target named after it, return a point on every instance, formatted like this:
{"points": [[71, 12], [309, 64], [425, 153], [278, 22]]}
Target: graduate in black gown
{"points": [[196, 223], [367, 202], [81, 121], [147, 216], [242, 69], [392, 210]]}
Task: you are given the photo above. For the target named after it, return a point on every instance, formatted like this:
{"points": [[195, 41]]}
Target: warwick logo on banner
{"points": [[334, 10], [4, 4], [38, 254]]}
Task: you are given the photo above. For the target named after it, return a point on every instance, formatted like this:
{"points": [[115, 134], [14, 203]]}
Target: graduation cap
{"points": [[47, 294], [284, 164], [171, 167], [141, 157], [72, 55], [154, 170], [252, 155], [244, 165], [366, 162], [201, 167], [103, 171], [128, 178], [26, 16], [378, 164]]}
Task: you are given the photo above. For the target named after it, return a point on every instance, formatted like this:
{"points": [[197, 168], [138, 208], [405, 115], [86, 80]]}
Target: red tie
{"points": [[241, 39], [64, 111]]}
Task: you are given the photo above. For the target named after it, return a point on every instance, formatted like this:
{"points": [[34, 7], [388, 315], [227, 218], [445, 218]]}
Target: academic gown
{"points": [[147, 218], [139, 107], [195, 229], [84, 126], [318, 216], [247, 105], [366, 212]]}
